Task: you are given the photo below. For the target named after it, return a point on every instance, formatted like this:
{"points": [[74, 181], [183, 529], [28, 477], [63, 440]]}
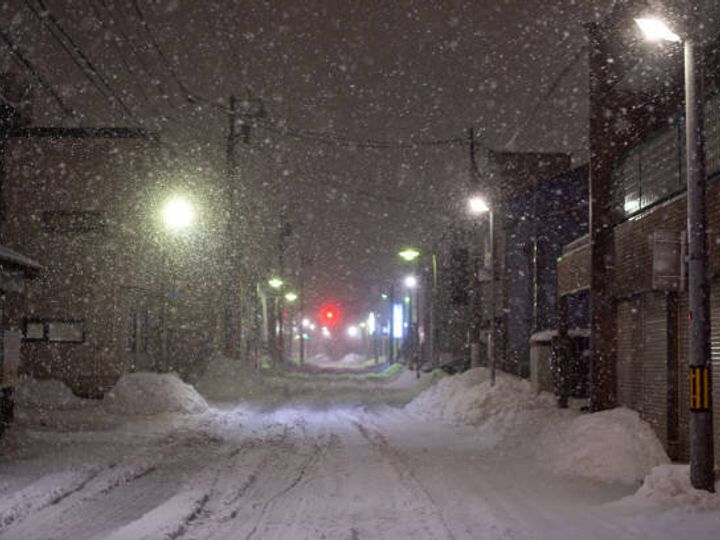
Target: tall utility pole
{"points": [[603, 316], [701, 420], [476, 298], [230, 326]]}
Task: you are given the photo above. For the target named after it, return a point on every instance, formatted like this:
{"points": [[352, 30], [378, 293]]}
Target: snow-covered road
{"points": [[290, 474], [514, 467]]}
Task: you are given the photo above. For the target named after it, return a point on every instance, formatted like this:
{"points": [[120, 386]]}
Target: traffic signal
{"points": [[329, 315]]}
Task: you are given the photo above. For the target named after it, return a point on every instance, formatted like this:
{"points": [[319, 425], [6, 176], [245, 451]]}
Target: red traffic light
{"points": [[329, 315]]}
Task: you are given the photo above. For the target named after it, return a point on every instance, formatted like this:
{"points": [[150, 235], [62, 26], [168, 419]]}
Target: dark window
{"points": [[56, 331]]}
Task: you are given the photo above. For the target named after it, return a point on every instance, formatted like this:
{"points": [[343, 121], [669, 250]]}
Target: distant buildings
{"points": [[540, 205]]}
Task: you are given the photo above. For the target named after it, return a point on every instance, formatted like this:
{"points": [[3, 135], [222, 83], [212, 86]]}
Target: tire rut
{"points": [[405, 474]]}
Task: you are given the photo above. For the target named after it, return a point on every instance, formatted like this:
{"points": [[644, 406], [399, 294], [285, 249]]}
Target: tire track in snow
{"points": [[45, 492], [221, 506], [405, 474], [317, 454], [96, 493]]}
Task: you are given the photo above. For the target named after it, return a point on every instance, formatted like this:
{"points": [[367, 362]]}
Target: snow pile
{"points": [[153, 393], [46, 394], [226, 379], [470, 399], [608, 446], [669, 486]]}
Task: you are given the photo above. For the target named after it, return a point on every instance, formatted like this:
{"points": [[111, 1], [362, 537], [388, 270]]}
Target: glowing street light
{"points": [[353, 331], [411, 282], [656, 30], [291, 297], [306, 323], [276, 282], [409, 254], [178, 214], [478, 205]]}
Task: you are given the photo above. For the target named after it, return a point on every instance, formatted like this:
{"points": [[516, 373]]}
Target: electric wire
{"points": [[555, 83], [35, 73], [87, 67]]}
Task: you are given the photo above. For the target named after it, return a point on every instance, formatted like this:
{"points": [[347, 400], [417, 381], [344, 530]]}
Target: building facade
{"points": [[633, 267], [117, 293]]}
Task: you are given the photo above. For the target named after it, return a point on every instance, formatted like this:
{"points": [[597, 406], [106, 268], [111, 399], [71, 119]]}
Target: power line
{"points": [[137, 54], [564, 72], [35, 73], [56, 28], [191, 96], [335, 139]]}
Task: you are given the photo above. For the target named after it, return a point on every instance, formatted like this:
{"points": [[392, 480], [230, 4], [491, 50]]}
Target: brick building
{"points": [[633, 267]]}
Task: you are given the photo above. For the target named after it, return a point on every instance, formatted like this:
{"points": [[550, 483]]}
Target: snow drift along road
{"points": [[609, 446]]}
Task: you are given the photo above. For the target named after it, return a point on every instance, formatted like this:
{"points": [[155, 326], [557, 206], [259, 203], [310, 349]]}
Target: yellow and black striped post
{"points": [[700, 388]]}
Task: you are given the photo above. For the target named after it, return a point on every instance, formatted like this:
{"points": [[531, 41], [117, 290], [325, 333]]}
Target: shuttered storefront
{"points": [[642, 355], [653, 400], [628, 359], [715, 355], [683, 385]]}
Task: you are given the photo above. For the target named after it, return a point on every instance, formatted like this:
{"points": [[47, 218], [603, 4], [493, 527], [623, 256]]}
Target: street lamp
{"points": [[178, 214], [701, 422], [291, 297], [411, 281], [656, 30], [409, 254], [276, 282], [478, 206]]}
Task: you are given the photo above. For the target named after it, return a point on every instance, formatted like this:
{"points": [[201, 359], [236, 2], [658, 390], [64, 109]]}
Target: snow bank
{"points": [[153, 393], [669, 486], [608, 446], [46, 394], [226, 379], [470, 399]]}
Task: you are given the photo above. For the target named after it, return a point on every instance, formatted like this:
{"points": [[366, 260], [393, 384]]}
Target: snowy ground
{"points": [[335, 471]]}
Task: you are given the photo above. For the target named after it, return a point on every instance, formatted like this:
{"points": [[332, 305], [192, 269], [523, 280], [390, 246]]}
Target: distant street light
{"points": [[178, 214], [478, 205], [276, 282], [699, 358], [291, 297], [409, 254], [353, 331], [411, 282]]}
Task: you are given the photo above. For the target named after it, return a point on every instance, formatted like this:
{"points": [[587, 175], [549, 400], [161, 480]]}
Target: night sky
{"points": [[368, 72]]}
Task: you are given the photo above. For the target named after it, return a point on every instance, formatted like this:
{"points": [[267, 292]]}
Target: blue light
{"points": [[398, 323]]}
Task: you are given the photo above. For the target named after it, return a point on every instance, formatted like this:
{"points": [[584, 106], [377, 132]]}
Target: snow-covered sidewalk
{"points": [[484, 466]]}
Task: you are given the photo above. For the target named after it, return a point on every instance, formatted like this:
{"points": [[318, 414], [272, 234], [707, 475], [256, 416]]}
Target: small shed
{"points": [[541, 372]]}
